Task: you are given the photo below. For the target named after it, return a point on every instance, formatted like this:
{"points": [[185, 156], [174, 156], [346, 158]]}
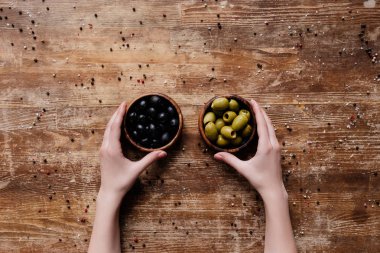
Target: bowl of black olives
{"points": [[152, 122], [227, 123]]}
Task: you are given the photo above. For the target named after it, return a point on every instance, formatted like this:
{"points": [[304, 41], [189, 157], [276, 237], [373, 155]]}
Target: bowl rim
{"points": [[205, 108], [180, 122]]}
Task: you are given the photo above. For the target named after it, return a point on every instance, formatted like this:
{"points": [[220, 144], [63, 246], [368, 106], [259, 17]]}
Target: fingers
{"points": [[115, 129], [149, 159], [271, 132], [108, 129], [229, 159], [262, 128]]}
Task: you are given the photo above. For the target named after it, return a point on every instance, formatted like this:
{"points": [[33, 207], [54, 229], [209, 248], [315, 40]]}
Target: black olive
{"points": [[155, 100], [165, 138], [140, 129], [142, 118], [152, 130], [132, 117], [152, 112], [154, 143], [142, 104], [171, 110], [162, 117], [174, 123], [161, 127], [132, 114], [144, 142], [134, 134]]}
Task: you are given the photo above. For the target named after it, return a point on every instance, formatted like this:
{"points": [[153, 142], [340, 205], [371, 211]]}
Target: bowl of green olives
{"points": [[227, 123], [153, 122]]}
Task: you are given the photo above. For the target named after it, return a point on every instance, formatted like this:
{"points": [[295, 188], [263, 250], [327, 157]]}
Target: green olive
{"points": [[221, 141], [228, 132], [245, 112], [237, 141], [220, 104], [209, 117], [218, 113], [211, 131], [247, 131], [219, 123], [239, 122], [234, 105], [229, 116]]}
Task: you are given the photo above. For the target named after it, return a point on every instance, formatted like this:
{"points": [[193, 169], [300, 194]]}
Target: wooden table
{"points": [[66, 65]]}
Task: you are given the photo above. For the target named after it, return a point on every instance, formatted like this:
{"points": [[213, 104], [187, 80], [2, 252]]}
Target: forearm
{"points": [[278, 231], [106, 232]]}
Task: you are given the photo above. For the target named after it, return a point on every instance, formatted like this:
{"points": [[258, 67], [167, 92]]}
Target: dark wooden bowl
{"points": [[207, 107], [175, 138]]}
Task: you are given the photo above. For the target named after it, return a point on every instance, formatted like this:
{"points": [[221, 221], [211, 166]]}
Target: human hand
{"points": [[117, 172], [263, 171]]}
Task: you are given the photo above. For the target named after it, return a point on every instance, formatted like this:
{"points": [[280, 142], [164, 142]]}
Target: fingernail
{"points": [[218, 157], [162, 154]]}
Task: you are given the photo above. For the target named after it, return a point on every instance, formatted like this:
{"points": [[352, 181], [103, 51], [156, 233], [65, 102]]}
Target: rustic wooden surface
{"points": [[308, 62]]}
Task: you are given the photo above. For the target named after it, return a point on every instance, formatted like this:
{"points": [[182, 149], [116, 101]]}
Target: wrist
{"points": [[109, 199], [275, 194]]}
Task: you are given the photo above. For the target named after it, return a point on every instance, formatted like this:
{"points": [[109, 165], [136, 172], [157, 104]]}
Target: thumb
{"points": [[151, 158], [229, 159]]}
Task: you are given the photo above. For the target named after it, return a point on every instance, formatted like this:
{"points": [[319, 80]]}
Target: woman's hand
{"points": [[117, 176], [117, 172], [263, 171]]}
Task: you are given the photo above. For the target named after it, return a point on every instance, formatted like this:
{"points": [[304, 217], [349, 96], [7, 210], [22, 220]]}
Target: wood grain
{"points": [[319, 83]]}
